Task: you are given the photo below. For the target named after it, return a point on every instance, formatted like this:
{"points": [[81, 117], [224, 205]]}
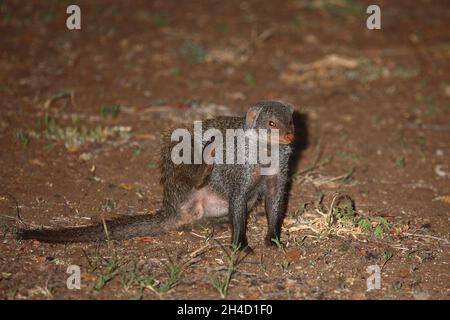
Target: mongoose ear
{"points": [[252, 116], [291, 108]]}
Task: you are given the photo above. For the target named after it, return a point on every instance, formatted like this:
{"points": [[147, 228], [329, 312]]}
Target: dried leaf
{"points": [[126, 186], [39, 259], [445, 199]]}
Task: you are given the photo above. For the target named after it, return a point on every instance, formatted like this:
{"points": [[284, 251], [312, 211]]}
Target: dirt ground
{"points": [[82, 113]]}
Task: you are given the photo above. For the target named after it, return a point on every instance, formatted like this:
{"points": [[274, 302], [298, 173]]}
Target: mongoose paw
{"points": [[270, 242]]}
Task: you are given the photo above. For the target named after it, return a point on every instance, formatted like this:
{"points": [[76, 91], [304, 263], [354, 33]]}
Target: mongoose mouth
{"points": [[288, 138]]}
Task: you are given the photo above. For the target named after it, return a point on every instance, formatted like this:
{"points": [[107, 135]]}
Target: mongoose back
{"points": [[195, 191]]}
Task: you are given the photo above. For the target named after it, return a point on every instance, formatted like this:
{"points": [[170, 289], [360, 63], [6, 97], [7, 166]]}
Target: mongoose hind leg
{"points": [[201, 204]]}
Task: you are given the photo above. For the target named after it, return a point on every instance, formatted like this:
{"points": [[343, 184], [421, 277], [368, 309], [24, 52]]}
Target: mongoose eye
{"points": [[272, 124]]}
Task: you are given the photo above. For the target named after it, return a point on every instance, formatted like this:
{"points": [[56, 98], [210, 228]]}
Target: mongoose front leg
{"points": [[274, 202], [238, 214]]}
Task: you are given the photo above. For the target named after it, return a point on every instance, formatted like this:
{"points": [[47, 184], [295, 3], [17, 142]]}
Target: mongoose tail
{"points": [[118, 229]]}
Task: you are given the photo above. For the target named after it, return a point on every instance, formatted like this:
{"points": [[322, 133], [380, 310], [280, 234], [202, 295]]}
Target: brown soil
{"points": [[374, 111]]}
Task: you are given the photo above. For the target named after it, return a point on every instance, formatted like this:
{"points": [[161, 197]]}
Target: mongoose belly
{"points": [[203, 203], [213, 204]]}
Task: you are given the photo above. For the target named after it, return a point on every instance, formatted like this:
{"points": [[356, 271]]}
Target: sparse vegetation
{"points": [[250, 79], [160, 19], [110, 110], [108, 205], [378, 225], [400, 162], [387, 256], [23, 137], [346, 212], [279, 244], [76, 135], [284, 266], [61, 95], [222, 283], [368, 71], [341, 218], [348, 156], [137, 152], [132, 276], [194, 51], [111, 270]]}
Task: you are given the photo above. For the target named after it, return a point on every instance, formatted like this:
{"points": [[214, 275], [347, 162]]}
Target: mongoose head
{"points": [[272, 115]]}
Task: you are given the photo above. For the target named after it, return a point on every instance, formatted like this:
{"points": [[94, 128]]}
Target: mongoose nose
{"points": [[289, 136]]}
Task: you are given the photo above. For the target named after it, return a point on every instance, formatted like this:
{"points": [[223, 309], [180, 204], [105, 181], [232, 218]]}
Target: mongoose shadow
{"points": [[300, 144]]}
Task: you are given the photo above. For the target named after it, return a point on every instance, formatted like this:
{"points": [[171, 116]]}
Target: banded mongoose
{"points": [[195, 191]]}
